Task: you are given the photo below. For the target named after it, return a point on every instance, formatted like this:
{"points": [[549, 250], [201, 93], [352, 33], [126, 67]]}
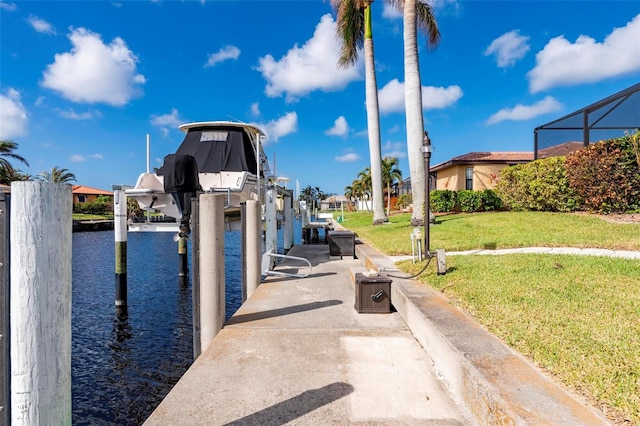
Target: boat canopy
{"points": [[218, 148]]}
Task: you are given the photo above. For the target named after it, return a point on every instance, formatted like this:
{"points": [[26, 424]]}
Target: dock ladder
{"points": [[267, 264]]}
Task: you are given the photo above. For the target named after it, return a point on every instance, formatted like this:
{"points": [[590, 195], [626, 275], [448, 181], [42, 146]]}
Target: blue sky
{"points": [[83, 82]]}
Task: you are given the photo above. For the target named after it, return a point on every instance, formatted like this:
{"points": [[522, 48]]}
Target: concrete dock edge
{"points": [[496, 384]]}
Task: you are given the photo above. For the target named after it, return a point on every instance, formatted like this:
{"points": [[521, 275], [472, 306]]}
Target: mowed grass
{"points": [[577, 317], [499, 230]]}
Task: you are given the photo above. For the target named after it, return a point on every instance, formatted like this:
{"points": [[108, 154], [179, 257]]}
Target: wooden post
{"points": [[251, 248], [288, 223], [212, 276], [120, 233], [41, 228], [5, 279]]}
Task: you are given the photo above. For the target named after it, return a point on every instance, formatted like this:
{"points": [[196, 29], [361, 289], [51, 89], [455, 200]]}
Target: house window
{"points": [[469, 178], [82, 198]]}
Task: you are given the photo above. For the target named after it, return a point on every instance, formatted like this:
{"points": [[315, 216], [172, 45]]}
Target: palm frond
{"points": [[427, 24]]}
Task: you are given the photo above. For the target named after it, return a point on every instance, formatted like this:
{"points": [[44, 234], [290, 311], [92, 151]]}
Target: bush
{"points": [[541, 185], [442, 200], [100, 206], [606, 174], [469, 201]]}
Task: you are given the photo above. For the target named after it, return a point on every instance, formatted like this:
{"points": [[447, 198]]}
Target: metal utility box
{"points": [[373, 294], [342, 243]]}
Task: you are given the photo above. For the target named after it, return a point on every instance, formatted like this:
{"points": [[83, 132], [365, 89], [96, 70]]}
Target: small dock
{"points": [[298, 352]]}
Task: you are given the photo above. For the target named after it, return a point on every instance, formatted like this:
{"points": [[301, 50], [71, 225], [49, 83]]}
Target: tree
{"points": [[7, 172], [390, 174], [57, 175], [354, 30], [417, 15]]}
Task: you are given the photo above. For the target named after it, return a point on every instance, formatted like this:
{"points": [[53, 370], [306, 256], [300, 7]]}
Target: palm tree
{"points": [[7, 172], [57, 175], [390, 173], [363, 184], [353, 26], [416, 15]]}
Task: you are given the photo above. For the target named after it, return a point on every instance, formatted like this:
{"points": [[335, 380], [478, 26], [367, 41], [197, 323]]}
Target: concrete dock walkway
{"points": [[298, 352]]}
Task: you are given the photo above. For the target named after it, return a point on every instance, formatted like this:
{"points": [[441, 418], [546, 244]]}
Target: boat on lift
{"points": [[214, 157]]}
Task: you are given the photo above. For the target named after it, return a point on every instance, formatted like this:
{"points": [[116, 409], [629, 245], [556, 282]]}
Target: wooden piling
{"points": [[211, 268], [40, 303]]}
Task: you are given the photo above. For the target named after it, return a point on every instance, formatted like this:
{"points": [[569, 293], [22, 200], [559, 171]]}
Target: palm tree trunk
{"points": [[373, 122], [413, 106]]}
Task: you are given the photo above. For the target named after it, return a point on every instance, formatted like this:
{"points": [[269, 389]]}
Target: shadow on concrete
{"points": [[298, 406], [255, 316]]}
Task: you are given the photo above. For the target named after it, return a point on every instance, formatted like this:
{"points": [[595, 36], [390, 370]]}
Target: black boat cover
{"points": [[218, 148]]}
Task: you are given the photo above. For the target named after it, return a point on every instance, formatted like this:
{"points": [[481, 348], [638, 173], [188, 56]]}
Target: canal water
{"points": [[123, 364]]}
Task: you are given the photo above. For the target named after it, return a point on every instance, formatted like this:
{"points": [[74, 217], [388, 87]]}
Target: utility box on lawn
{"points": [[342, 244], [373, 294]]}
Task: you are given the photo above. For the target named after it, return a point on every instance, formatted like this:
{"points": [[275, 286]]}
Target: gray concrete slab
{"points": [[297, 352]]}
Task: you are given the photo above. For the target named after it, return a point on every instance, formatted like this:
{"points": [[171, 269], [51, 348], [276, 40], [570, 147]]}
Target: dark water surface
{"points": [[123, 364]]}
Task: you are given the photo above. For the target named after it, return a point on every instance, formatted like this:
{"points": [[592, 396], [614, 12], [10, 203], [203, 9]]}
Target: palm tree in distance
{"points": [[57, 175], [7, 172], [354, 30], [416, 15], [390, 174]]}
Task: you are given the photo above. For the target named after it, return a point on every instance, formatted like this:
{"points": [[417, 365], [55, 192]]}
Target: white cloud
{"points": [[508, 48], [394, 149], [72, 115], [562, 63], [227, 52], [310, 67], [526, 112], [255, 109], [97, 156], [77, 158], [40, 25], [8, 6], [348, 158], [391, 97], [94, 72], [275, 129], [167, 122], [391, 12], [340, 128], [13, 116]]}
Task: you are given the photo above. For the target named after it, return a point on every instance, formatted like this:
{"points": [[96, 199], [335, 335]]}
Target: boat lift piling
{"points": [[120, 233], [251, 248]]}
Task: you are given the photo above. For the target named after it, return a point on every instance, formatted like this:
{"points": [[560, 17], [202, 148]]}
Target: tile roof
{"points": [[87, 190], [486, 157]]}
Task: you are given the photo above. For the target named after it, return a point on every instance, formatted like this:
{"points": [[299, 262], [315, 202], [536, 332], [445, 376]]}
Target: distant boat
{"points": [[217, 157]]}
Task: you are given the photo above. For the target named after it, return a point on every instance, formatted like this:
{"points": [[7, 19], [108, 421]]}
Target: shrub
{"points": [[100, 206], [541, 185], [442, 200], [606, 174], [469, 201], [491, 201]]}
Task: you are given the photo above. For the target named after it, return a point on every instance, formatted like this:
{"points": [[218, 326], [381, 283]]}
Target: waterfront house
{"points": [[86, 194], [475, 170]]}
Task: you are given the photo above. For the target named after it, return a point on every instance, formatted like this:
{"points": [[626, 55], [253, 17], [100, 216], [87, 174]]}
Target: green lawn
{"points": [[578, 317]]}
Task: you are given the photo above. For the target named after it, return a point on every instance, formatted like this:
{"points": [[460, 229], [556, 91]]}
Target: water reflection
{"points": [[124, 361]]}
